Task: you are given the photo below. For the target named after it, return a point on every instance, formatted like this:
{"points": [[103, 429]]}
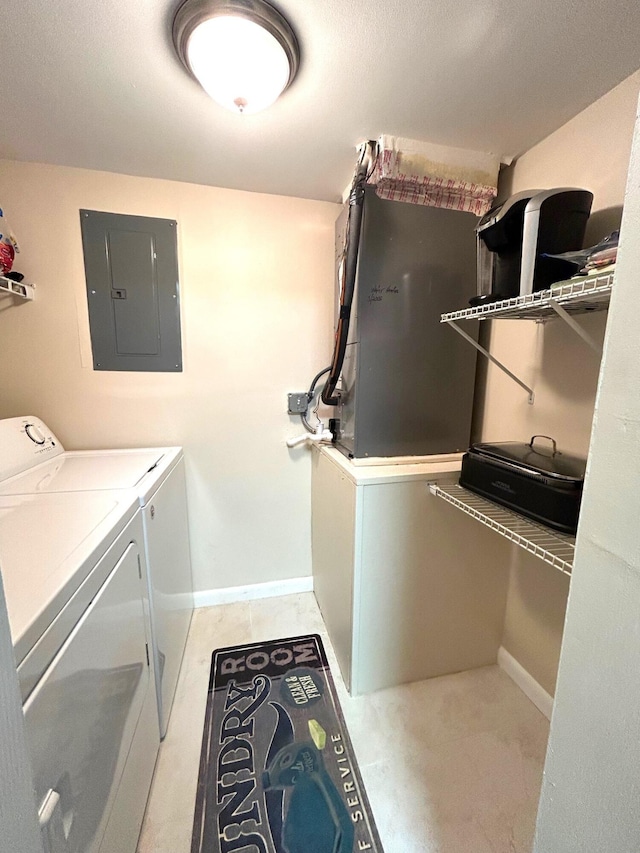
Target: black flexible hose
{"points": [[310, 393], [315, 381], [356, 201]]}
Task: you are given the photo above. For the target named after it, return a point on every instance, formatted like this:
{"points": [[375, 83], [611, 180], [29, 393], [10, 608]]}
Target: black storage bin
{"points": [[532, 479]]}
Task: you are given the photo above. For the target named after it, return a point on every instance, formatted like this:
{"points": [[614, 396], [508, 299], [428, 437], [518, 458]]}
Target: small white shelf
{"points": [[557, 549], [15, 288], [578, 296]]}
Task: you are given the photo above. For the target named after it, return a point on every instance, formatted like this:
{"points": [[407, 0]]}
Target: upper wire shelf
{"points": [[556, 549], [575, 297], [15, 288]]}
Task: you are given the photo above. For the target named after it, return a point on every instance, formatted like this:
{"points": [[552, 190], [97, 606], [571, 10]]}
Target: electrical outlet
{"points": [[298, 403]]}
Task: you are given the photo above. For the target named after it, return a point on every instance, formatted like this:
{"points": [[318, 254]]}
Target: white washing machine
{"points": [[35, 462], [73, 567]]}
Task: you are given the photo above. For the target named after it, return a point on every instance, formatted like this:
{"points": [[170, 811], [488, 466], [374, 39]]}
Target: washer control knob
{"points": [[35, 434]]}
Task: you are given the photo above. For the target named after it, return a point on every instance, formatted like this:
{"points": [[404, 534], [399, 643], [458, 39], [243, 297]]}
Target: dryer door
{"points": [[82, 716]]}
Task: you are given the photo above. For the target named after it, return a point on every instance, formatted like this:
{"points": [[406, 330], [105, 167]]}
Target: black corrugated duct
{"points": [[356, 199]]}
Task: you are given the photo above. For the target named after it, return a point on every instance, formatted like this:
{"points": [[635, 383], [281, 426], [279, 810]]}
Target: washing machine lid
{"points": [[33, 461], [85, 471], [128, 463], [49, 543]]}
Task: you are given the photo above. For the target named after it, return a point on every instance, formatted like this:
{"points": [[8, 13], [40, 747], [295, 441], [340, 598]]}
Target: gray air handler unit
{"points": [[515, 236], [406, 381]]}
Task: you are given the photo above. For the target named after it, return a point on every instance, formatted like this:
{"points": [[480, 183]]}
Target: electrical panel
{"points": [[131, 268]]}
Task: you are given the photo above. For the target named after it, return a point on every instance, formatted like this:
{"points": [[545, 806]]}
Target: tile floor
{"points": [[451, 765]]}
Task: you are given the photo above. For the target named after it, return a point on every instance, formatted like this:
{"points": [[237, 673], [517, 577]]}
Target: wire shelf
{"points": [[576, 297], [557, 549], [22, 289]]}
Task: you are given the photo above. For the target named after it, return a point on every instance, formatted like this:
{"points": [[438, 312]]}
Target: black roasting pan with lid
{"points": [[531, 478]]}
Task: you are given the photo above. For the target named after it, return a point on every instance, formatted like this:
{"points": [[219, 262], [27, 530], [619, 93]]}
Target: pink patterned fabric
{"points": [[431, 190]]}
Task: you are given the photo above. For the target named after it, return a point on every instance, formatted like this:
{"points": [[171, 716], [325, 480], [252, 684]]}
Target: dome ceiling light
{"points": [[243, 53]]}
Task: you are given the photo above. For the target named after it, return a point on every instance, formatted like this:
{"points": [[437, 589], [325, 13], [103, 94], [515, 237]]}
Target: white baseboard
{"points": [[526, 682], [251, 592]]}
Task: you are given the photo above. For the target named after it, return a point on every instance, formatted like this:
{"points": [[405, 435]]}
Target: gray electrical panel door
{"points": [[131, 268]]}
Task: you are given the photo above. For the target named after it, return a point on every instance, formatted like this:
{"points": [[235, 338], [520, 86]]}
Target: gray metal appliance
{"points": [[407, 382]]}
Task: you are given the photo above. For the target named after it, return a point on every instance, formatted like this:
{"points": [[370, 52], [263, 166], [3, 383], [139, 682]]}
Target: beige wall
{"points": [[589, 799], [591, 151], [257, 315]]}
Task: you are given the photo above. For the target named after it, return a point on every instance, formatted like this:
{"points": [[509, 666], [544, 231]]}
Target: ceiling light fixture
{"points": [[243, 53]]}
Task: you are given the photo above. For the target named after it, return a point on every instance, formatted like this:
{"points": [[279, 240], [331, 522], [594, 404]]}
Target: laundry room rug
{"points": [[277, 769]]}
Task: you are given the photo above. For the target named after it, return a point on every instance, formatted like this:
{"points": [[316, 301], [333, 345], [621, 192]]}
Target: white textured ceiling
{"points": [[96, 84]]}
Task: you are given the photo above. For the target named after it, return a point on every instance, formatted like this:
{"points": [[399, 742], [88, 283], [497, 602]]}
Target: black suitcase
{"points": [[533, 479]]}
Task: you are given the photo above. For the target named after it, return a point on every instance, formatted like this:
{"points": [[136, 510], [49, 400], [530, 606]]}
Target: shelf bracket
{"points": [[491, 358], [577, 328]]}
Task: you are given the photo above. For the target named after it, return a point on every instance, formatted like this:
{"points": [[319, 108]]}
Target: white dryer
{"points": [[35, 462], [73, 567]]}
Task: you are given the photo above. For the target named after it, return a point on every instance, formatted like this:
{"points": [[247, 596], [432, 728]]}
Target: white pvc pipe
{"points": [[321, 434]]}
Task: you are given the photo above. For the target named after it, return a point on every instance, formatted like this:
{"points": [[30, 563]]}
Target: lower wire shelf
{"points": [[557, 549]]}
